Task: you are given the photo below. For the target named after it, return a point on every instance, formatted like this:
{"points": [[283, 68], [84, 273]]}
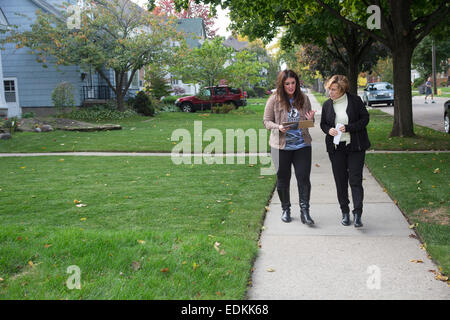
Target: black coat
{"points": [[358, 118]]}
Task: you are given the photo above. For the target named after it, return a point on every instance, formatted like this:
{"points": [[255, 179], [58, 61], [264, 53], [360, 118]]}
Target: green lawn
{"points": [[148, 230], [420, 185], [380, 126], [142, 134]]}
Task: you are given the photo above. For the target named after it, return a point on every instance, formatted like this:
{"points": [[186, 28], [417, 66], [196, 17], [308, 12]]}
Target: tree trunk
{"points": [[403, 117], [352, 74]]}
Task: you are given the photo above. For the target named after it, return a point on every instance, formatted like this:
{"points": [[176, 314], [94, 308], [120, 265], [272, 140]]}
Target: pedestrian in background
{"points": [[428, 90], [344, 118], [290, 145]]}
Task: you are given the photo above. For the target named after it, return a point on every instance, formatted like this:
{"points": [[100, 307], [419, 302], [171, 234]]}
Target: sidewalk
{"points": [[330, 261]]}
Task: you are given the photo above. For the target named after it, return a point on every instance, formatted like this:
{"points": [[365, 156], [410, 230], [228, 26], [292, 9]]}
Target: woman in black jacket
{"points": [[344, 120]]}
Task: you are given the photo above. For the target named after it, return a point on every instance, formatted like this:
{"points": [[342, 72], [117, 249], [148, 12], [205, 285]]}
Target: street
{"points": [[429, 115]]}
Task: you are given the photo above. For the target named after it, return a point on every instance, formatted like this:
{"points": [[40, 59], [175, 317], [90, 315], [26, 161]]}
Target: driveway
{"points": [[429, 115]]}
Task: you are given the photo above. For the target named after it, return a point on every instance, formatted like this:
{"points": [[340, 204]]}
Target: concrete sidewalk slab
{"points": [[331, 261]]}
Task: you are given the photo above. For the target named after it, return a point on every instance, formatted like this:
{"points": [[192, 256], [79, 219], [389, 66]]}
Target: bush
{"points": [[178, 90], [251, 93], [226, 108], [28, 115], [143, 104], [260, 92], [62, 96], [169, 99]]}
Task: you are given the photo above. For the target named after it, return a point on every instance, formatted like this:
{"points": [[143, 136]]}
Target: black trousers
{"points": [[301, 159], [348, 169]]}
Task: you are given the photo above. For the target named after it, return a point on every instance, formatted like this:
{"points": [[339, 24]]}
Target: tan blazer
{"points": [[275, 114]]}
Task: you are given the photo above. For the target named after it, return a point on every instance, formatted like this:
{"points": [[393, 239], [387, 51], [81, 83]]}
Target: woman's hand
{"points": [[333, 132], [310, 115], [282, 128]]}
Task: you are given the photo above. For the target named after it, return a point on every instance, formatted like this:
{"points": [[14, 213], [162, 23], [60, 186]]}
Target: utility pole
{"points": [[433, 61]]}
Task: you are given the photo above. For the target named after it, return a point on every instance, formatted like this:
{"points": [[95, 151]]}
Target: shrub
{"points": [[62, 96], [28, 115], [143, 104], [260, 92], [251, 93], [178, 90], [226, 108]]}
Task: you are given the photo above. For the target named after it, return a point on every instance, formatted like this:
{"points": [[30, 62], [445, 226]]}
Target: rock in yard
{"points": [[5, 136]]}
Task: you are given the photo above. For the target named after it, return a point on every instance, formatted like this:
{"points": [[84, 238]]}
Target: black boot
{"points": [[358, 222], [346, 218], [304, 206], [283, 193]]}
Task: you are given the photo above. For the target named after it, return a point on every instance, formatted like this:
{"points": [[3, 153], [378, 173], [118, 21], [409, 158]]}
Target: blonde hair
{"points": [[340, 80]]}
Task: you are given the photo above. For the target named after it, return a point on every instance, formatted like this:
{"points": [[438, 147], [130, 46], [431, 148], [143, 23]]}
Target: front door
{"points": [[12, 97]]}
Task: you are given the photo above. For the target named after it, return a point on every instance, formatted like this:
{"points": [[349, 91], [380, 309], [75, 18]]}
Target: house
{"points": [[195, 36], [28, 85], [3, 106]]}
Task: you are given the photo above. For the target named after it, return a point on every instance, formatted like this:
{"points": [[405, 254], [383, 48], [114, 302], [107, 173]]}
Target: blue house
{"points": [[28, 85]]}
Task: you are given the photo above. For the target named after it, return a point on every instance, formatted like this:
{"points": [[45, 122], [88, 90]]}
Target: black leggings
{"points": [[301, 159]]}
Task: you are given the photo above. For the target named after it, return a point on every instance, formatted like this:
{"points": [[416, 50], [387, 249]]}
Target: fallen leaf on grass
{"points": [[165, 270], [195, 266], [81, 205], [440, 277], [414, 225], [76, 201], [136, 265], [47, 245], [141, 241], [83, 219], [437, 170], [1, 279], [217, 245]]}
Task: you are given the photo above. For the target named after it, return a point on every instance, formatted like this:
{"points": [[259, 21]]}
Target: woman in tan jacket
{"points": [[290, 144]]}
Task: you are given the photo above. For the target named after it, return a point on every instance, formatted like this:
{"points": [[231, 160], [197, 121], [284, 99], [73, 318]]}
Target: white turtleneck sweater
{"points": [[340, 107]]}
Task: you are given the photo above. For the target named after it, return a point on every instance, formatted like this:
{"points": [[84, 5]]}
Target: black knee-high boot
{"points": [[284, 195], [304, 193]]}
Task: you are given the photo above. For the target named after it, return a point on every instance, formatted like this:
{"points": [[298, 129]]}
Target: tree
{"points": [[245, 69], [156, 75], [114, 34], [422, 58], [204, 65], [194, 10], [403, 24]]}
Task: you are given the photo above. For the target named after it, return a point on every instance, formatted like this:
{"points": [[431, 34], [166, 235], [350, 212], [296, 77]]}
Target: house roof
{"points": [[3, 21], [193, 27], [46, 6], [234, 43]]}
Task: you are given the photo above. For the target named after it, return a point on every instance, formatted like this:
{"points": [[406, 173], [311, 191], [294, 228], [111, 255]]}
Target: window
{"points": [[173, 81], [220, 91], [135, 81], [10, 90]]}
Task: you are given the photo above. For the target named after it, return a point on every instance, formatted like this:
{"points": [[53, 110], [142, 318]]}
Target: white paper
{"points": [[338, 137]]}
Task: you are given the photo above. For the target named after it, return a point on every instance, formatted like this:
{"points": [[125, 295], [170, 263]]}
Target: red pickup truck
{"points": [[212, 96]]}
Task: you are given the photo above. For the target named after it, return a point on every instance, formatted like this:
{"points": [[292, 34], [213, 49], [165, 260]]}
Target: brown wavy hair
{"points": [[299, 98]]}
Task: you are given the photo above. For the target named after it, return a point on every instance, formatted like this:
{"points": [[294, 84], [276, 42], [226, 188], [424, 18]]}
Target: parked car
{"points": [[446, 121], [210, 97], [379, 93]]}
